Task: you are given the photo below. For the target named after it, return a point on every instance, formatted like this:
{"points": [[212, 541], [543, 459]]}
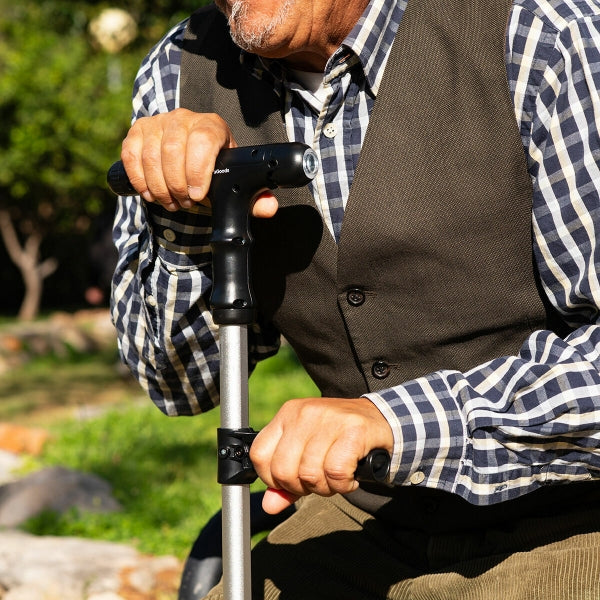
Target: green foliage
{"points": [[65, 104], [52, 385], [163, 470], [65, 108], [62, 123]]}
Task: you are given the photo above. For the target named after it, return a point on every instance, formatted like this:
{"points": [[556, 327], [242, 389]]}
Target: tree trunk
{"points": [[26, 258]]}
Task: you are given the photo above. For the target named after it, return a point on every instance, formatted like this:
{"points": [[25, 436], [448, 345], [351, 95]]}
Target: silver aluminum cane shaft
{"points": [[235, 498]]}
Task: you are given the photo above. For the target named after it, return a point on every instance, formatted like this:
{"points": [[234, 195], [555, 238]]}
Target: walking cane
{"points": [[233, 309], [240, 173]]}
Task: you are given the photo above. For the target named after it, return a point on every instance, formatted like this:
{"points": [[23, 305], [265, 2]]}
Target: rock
{"points": [[56, 489], [55, 568]]}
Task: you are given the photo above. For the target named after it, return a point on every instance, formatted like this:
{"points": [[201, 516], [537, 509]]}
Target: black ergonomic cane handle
{"points": [[239, 175]]}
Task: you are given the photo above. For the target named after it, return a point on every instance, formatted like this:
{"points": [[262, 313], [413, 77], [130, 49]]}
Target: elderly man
{"points": [[438, 280]]}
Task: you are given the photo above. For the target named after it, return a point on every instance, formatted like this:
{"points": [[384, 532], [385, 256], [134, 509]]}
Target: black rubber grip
{"points": [[118, 182]]}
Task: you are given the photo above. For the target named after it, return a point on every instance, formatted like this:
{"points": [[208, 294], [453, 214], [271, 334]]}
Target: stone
{"points": [[66, 568], [54, 489]]}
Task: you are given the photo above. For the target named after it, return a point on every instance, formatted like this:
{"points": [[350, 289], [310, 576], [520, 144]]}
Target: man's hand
{"points": [[170, 158], [313, 445]]}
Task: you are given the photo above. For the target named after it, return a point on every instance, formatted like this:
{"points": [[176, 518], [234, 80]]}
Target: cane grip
{"points": [[239, 175]]}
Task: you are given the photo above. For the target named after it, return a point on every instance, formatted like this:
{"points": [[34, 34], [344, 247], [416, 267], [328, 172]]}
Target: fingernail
{"points": [[186, 203], [147, 196], [195, 193]]}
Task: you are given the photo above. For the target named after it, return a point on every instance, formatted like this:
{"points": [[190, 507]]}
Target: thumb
{"points": [[265, 205], [274, 501]]}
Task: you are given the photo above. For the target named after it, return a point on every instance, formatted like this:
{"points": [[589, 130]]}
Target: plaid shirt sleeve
{"points": [[520, 422], [163, 276]]}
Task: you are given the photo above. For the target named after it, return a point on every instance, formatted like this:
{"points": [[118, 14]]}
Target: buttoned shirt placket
{"points": [[335, 124], [330, 133]]}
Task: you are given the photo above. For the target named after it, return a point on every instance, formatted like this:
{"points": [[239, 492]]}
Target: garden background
{"points": [[66, 72]]}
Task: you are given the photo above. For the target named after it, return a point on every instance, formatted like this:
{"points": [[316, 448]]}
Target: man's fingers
{"points": [[142, 158], [154, 176], [173, 151], [262, 450], [327, 466], [131, 156], [205, 139], [340, 463], [169, 158]]}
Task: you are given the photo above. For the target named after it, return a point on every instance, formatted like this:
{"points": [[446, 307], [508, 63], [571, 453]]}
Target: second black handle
{"points": [[235, 466]]}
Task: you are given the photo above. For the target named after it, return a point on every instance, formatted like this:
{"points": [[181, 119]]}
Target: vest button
{"points": [[355, 297], [380, 369]]}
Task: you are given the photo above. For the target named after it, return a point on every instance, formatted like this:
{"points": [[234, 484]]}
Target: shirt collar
{"points": [[372, 38]]}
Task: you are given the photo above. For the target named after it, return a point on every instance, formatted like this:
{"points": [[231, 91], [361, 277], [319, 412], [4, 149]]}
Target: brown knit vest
{"points": [[434, 267]]}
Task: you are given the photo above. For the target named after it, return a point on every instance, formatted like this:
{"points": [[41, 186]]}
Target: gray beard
{"points": [[254, 38]]}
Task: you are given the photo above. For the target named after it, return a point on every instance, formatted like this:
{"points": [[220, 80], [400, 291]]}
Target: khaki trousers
{"points": [[331, 550]]}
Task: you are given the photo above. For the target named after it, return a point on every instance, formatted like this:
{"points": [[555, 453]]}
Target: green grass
{"points": [[50, 385], [163, 470]]}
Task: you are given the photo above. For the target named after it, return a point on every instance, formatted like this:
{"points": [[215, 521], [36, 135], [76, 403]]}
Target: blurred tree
{"points": [[63, 115]]}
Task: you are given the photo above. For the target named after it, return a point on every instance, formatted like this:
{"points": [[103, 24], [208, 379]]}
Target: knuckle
{"points": [[216, 120], [305, 408], [173, 147], [211, 129], [127, 153], [176, 119], [258, 456], [311, 478], [130, 152], [181, 112], [203, 138], [138, 126], [337, 472], [283, 475], [151, 156]]}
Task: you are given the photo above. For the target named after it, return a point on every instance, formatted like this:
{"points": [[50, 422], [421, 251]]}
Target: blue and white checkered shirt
{"points": [[496, 432]]}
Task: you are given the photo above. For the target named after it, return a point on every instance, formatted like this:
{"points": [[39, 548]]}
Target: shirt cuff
{"points": [[430, 435], [181, 238]]}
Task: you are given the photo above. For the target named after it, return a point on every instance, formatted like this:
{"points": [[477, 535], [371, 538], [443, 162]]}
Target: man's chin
{"points": [[255, 43]]}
